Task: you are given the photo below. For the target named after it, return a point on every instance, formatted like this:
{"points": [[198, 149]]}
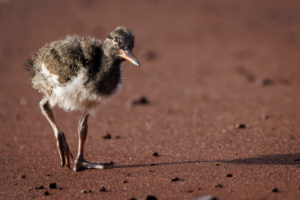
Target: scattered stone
{"points": [[176, 179], [103, 189], [46, 193], [229, 175], [125, 181], [155, 154], [217, 164], [52, 185], [23, 176], [297, 160], [266, 82], [206, 197], [190, 191], [218, 186], [40, 187], [107, 136], [48, 174], [199, 188], [151, 197], [118, 137], [241, 126], [275, 190], [132, 198], [140, 101], [86, 191]]}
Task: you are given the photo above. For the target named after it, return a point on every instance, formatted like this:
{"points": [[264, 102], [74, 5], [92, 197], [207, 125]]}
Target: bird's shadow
{"points": [[273, 159]]}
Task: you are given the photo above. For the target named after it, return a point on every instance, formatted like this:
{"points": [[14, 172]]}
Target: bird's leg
{"points": [[62, 145], [80, 162]]}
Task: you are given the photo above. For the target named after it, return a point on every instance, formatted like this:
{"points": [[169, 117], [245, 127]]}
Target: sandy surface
{"points": [[207, 66]]}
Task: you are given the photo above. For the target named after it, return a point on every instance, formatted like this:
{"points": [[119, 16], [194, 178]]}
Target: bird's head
{"points": [[119, 44]]}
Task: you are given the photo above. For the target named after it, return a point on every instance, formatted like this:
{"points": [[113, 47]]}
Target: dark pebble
{"points": [[52, 185], [118, 137], [229, 175], [150, 55], [199, 188], [266, 82], [86, 191], [103, 189], [46, 193], [107, 136], [40, 187], [125, 181], [155, 154], [241, 126], [176, 179], [23, 176], [297, 160], [132, 198], [275, 190], [219, 186], [190, 191], [141, 101], [151, 197]]}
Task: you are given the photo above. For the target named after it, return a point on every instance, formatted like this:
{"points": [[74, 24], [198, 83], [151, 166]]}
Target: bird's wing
{"points": [[65, 58]]}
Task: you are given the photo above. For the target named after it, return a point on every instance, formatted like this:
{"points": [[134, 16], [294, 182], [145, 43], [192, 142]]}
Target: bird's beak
{"points": [[129, 56]]}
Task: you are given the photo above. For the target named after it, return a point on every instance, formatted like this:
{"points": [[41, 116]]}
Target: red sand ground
{"points": [[206, 66]]}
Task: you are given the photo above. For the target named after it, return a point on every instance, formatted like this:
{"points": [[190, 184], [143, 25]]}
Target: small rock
{"points": [[155, 154], [103, 189], [48, 174], [206, 197], [218, 186], [40, 187], [176, 179], [46, 193], [266, 82], [23, 176], [118, 137], [199, 188], [132, 198], [275, 190], [107, 136], [125, 181], [297, 160], [241, 126], [52, 185], [151, 197], [190, 191], [140, 101], [150, 55], [86, 191], [229, 175]]}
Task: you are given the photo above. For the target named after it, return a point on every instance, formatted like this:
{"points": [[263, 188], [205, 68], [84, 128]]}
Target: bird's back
{"points": [[65, 58]]}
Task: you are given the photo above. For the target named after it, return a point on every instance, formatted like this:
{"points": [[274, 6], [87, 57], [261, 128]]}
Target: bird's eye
{"points": [[116, 39]]}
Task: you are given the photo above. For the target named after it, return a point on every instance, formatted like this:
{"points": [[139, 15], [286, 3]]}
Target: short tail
{"points": [[28, 64]]}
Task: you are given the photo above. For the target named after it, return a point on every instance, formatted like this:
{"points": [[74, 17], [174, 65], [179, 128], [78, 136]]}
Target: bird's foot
{"points": [[81, 164], [63, 150]]}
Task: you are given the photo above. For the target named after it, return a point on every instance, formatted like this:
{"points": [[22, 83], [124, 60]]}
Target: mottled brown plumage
{"points": [[79, 73]]}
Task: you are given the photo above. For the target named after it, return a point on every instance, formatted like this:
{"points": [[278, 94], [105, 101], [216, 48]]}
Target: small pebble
{"points": [[190, 191], [219, 186], [52, 185], [118, 137], [240, 126], [103, 189], [23, 176], [155, 154], [229, 175], [141, 101], [46, 193], [151, 197], [125, 181], [176, 179], [266, 82], [107, 136], [206, 197], [275, 190], [297, 160], [132, 198], [40, 187]]}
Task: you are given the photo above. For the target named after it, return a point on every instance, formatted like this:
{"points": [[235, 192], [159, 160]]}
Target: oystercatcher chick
{"points": [[79, 73]]}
